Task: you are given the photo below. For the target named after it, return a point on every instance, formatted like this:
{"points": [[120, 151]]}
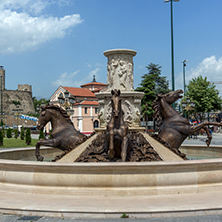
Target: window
{"points": [[96, 110], [96, 124], [86, 110]]}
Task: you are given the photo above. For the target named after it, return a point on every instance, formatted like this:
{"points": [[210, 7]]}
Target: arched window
{"points": [[96, 124]]}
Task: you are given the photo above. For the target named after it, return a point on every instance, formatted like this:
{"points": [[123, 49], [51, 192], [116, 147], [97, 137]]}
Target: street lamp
{"points": [[172, 51], [184, 82], [67, 102], [188, 106], [17, 112]]}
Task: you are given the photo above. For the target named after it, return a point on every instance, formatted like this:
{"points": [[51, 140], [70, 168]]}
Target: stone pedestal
{"points": [[120, 76]]}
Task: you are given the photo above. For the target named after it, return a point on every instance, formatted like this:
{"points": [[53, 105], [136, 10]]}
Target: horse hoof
{"points": [[207, 142], [40, 158], [111, 154]]}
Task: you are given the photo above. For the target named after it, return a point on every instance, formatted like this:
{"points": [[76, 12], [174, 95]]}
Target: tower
{"points": [[2, 78]]}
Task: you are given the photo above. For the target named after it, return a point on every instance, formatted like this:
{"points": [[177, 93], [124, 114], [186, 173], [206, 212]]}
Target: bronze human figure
{"points": [[174, 128], [117, 138], [64, 135]]}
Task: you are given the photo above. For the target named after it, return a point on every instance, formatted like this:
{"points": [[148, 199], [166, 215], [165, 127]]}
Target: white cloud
{"points": [[32, 6], [22, 32], [66, 79], [210, 67]]}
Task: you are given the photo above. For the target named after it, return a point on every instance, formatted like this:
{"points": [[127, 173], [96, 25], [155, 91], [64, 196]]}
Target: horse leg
{"points": [[209, 136], [124, 147], [201, 125], [42, 142], [111, 151], [204, 126]]}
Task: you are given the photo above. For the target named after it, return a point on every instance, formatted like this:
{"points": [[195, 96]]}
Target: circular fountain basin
{"points": [[201, 151], [106, 179]]}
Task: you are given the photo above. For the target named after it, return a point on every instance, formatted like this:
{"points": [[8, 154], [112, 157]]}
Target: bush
{"points": [[22, 135], [1, 138], [28, 138], [50, 134], [41, 135], [16, 133], [3, 132], [9, 133]]}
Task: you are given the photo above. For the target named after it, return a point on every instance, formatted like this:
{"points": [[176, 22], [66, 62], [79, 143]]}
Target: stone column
{"points": [[120, 76], [120, 69]]}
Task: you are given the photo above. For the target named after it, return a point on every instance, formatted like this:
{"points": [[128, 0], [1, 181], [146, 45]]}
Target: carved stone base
{"points": [[131, 129], [131, 105]]}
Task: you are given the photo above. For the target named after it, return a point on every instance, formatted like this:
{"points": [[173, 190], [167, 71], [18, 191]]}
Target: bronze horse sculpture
{"points": [[117, 138], [64, 135], [174, 128]]}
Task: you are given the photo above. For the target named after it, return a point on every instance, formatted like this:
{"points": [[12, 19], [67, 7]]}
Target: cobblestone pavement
{"points": [[16, 218], [216, 139]]}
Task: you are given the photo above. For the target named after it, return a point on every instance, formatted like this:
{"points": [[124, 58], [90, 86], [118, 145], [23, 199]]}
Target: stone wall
{"points": [[25, 87], [23, 99]]}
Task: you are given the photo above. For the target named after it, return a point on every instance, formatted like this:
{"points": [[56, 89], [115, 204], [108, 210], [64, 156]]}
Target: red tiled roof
{"points": [[81, 92], [94, 83], [90, 103]]}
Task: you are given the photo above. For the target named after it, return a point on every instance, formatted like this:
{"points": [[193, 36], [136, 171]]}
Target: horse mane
{"points": [[157, 111], [62, 111]]}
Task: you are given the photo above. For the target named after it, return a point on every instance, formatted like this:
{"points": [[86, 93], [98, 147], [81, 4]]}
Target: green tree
{"points": [[28, 138], [22, 134], [205, 95], [152, 84], [37, 103], [16, 133], [1, 138], [41, 135], [3, 132], [50, 134], [9, 133]]}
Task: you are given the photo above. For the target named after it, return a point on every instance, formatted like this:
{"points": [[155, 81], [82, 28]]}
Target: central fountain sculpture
{"points": [[120, 76]]}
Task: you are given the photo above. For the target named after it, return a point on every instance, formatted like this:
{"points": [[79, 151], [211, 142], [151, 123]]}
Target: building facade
{"points": [[84, 111]]}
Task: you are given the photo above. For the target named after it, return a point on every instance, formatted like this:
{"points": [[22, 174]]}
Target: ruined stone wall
{"points": [[23, 99], [25, 87]]}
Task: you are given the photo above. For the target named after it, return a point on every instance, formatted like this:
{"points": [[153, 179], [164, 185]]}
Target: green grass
{"points": [[15, 143]]}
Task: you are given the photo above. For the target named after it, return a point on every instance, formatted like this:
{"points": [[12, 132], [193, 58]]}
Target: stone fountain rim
{"points": [[120, 51], [107, 164]]}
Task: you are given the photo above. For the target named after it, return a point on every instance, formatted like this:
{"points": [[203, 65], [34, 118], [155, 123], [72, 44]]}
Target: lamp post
{"points": [[172, 50], [184, 82], [17, 112], [188, 106], [67, 102]]}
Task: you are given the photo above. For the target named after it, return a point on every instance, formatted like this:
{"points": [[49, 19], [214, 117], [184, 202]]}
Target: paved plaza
{"points": [[16, 218]]}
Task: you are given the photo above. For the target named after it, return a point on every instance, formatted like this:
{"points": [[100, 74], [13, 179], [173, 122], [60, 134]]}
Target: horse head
{"points": [[173, 96], [44, 118], [116, 103]]}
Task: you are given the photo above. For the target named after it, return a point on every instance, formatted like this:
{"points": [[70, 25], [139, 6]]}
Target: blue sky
{"points": [[47, 43]]}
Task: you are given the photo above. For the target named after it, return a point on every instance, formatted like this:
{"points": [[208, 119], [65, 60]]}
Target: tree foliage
{"points": [[22, 134], [9, 133], [205, 95], [152, 84], [41, 135], [37, 104], [1, 138], [3, 132], [16, 133], [28, 138]]}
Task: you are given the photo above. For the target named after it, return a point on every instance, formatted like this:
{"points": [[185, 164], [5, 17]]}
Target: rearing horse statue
{"points": [[117, 138], [174, 128], [64, 135]]}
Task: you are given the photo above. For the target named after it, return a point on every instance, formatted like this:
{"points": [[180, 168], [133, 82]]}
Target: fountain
{"points": [[109, 189]]}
